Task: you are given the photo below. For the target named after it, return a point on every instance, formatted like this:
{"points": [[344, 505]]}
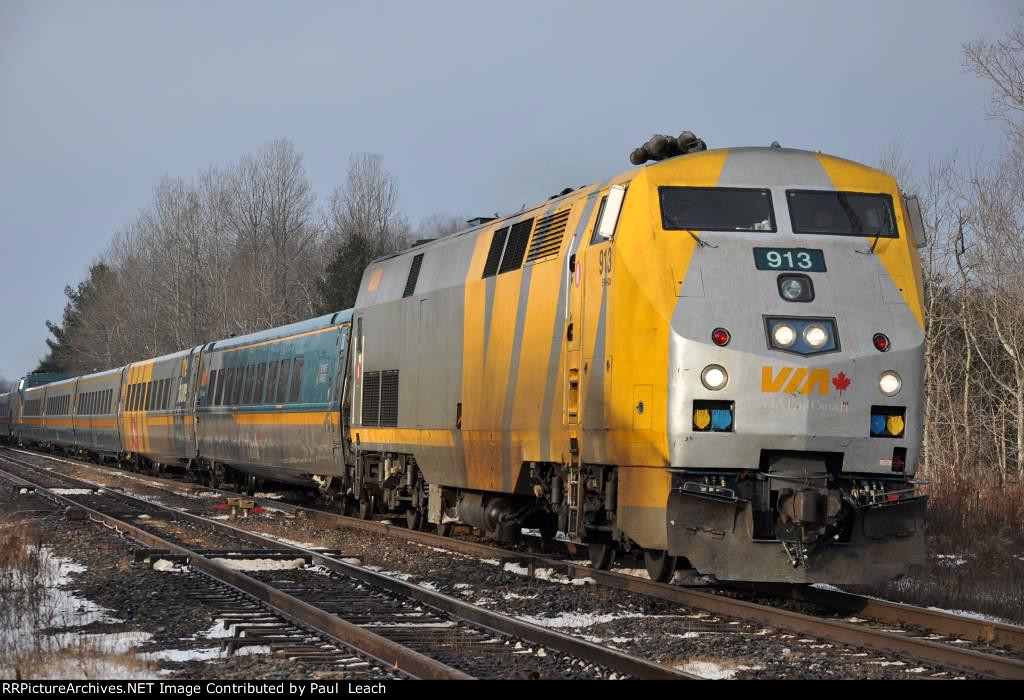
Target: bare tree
{"points": [[363, 222], [1001, 63]]}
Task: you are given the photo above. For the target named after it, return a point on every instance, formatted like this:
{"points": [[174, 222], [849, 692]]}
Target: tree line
{"points": [[231, 251]]}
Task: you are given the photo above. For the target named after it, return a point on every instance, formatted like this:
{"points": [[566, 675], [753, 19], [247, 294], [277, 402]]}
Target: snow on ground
{"points": [[261, 564], [74, 492], [975, 616], [712, 670], [951, 559], [166, 565], [577, 619], [547, 574], [294, 543], [270, 495], [71, 655], [204, 654]]}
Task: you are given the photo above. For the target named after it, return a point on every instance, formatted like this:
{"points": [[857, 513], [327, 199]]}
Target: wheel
{"points": [[601, 555], [446, 529], [660, 566], [413, 519]]}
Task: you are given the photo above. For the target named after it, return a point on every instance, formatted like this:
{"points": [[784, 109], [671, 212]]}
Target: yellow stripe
{"points": [[407, 436], [96, 423], [290, 418]]}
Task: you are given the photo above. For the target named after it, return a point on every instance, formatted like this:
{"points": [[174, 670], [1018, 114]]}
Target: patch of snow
{"points": [[975, 616], [547, 574], [639, 573], [73, 492], [261, 564], [296, 543], [518, 596], [576, 619], [219, 630], [443, 623], [269, 495], [253, 650], [714, 671], [166, 565], [951, 559], [461, 585], [184, 654], [142, 516]]}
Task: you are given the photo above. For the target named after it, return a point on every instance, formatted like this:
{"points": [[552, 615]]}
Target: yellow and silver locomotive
{"points": [[715, 358]]}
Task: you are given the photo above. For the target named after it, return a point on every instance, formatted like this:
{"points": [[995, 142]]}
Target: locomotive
{"points": [[714, 359]]}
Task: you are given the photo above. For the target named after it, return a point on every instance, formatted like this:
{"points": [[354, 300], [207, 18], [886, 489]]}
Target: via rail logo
{"points": [[801, 380]]}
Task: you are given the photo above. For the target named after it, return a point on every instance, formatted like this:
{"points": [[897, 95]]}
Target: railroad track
{"points": [[1000, 643], [422, 633]]}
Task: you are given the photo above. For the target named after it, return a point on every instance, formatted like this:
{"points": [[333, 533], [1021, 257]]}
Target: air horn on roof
{"points": [[660, 147]]}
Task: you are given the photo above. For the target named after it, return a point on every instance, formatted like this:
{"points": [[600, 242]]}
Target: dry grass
{"points": [[975, 549]]}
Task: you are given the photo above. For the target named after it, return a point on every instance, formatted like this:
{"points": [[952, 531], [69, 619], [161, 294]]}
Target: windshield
{"points": [[716, 209], [841, 213]]}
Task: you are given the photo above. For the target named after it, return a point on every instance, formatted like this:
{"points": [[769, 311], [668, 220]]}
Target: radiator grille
{"points": [[494, 254], [518, 237], [547, 239], [389, 398], [371, 398]]}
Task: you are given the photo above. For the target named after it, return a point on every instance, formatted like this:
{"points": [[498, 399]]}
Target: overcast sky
{"points": [[476, 107]]}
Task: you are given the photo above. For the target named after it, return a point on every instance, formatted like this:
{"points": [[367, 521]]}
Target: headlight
{"points": [[792, 288], [714, 377], [784, 335], [890, 383], [815, 335]]}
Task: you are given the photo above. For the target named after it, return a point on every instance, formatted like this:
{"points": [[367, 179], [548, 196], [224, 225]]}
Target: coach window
{"points": [[271, 381], [236, 395], [293, 395], [261, 372], [250, 372], [282, 381], [229, 387], [237, 379], [167, 394], [219, 391]]}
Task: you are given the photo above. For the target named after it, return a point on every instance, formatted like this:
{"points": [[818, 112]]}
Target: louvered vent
{"points": [[518, 237], [547, 239], [371, 398], [389, 398], [414, 274], [494, 254]]}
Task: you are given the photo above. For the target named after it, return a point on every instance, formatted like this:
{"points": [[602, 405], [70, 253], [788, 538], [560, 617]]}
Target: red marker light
{"points": [[720, 337], [881, 342]]}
